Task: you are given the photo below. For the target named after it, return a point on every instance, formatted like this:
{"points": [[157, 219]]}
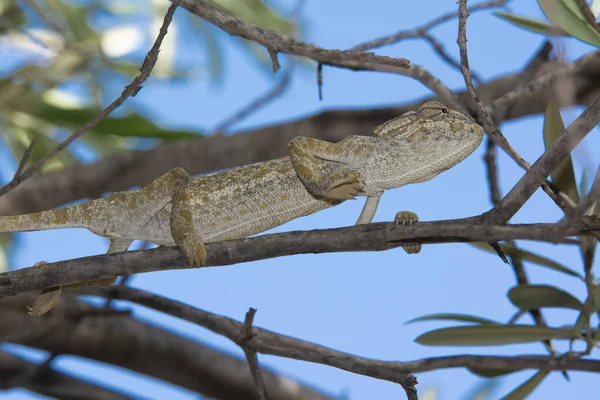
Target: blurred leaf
{"points": [[483, 390], [491, 373], [19, 138], [6, 241], [564, 175], [452, 317], [215, 55], [532, 24], [524, 255], [78, 19], [531, 297], [492, 335], [131, 125], [12, 14], [256, 12], [527, 387], [568, 15], [595, 8]]}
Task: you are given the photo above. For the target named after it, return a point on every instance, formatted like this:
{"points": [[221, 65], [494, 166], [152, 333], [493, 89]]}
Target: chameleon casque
{"points": [[188, 212]]}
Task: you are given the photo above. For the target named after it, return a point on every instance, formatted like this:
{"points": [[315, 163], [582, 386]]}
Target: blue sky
{"points": [[354, 302]]}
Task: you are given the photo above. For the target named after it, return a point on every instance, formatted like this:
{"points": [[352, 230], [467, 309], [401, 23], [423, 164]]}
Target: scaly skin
{"points": [[243, 201]]}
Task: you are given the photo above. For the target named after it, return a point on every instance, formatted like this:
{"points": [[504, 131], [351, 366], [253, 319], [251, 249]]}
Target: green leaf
{"points": [[532, 24], [256, 12], [131, 125], [564, 175], [524, 255], [492, 335], [527, 387], [453, 317], [567, 15], [530, 297], [491, 373]]}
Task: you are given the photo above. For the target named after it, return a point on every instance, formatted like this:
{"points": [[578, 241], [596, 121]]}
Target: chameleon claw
{"points": [[407, 218], [45, 302]]}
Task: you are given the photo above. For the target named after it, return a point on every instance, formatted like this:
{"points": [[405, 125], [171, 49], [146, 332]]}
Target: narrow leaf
{"points": [[564, 175], [561, 12], [532, 24], [491, 373], [527, 387], [131, 125], [524, 255], [492, 335], [453, 317], [531, 297]]}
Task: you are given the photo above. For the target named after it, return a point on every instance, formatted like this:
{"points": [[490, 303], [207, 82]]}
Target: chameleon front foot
{"points": [[407, 218], [352, 185]]}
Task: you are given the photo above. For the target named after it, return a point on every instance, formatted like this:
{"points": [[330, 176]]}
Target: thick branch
{"points": [[117, 339], [370, 237], [17, 372]]}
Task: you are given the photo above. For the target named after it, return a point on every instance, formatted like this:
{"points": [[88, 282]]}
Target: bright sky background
{"points": [[354, 302]]}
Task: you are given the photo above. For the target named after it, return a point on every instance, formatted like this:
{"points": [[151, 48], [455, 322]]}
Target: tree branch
{"points": [[17, 372], [267, 342], [542, 168], [370, 237], [76, 328], [276, 42]]}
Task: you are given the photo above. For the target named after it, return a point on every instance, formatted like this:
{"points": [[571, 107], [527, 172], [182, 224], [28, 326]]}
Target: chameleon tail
{"points": [[74, 216]]}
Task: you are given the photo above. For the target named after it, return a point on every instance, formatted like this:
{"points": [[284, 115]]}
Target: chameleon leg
{"points": [[368, 211], [183, 228], [48, 298], [408, 218], [320, 166]]}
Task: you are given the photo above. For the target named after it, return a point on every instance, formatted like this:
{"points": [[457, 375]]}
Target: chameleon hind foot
{"points": [[183, 229], [407, 218]]}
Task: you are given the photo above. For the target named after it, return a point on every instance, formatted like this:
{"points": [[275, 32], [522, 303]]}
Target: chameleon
{"points": [[176, 209]]}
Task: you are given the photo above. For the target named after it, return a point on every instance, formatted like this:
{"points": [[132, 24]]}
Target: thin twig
{"points": [[592, 197], [244, 337], [447, 57], [130, 90], [46, 18], [26, 157], [418, 32], [280, 43], [272, 94], [482, 115], [547, 163]]}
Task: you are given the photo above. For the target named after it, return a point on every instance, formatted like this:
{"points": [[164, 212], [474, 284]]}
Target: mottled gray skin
{"points": [[243, 201]]}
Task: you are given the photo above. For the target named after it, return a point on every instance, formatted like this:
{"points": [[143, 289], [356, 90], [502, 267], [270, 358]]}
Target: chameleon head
{"points": [[435, 137]]}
